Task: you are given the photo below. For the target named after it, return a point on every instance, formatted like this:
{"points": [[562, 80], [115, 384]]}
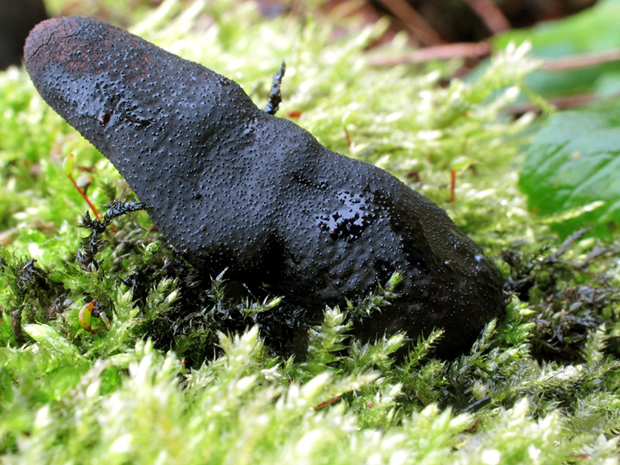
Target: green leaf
{"points": [[49, 337], [591, 31], [571, 170]]}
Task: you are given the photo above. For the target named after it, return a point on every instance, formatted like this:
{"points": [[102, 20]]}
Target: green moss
{"points": [[181, 375]]}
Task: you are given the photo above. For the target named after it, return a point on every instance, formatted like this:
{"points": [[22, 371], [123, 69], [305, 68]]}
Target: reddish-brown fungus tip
{"points": [[44, 43], [39, 36]]}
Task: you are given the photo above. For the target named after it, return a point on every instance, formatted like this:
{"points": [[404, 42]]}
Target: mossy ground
{"points": [[171, 382]]}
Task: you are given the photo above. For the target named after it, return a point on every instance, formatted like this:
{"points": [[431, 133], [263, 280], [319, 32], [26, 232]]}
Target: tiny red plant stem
{"points": [[85, 197], [90, 204], [452, 184]]}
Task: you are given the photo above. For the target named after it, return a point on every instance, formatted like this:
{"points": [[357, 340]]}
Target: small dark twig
{"points": [[439, 52], [584, 60], [28, 272], [560, 103], [491, 14], [331, 401], [16, 326], [414, 21], [115, 209], [568, 243], [477, 405], [598, 251], [275, 96], [92, 243]]}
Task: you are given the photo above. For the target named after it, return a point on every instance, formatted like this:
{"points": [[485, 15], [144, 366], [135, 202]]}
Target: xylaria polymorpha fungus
{"points": [[232, 186]]}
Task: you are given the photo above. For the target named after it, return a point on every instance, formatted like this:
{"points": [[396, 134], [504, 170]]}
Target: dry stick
{"points": [[414, 21], [598, 251], [568, 243], [439, 52], [491, 14], [561, 103], [483, 49], [581, 61], [584, 60]]}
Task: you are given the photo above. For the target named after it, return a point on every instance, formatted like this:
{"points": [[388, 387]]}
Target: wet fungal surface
{"points": [[232, 186]]}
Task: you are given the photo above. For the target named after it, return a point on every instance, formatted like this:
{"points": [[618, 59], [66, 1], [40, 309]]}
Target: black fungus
{"points": [[232, 186]]}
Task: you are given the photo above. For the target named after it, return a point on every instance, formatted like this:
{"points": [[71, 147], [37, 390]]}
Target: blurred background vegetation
{"points": [[518, 142]]}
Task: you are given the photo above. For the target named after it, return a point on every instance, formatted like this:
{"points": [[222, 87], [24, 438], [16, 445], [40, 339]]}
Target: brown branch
{"points": [[598, 251], [414, 21], [491, 14], [561, 103], [439, 52], [581, 61], [483, 49]]}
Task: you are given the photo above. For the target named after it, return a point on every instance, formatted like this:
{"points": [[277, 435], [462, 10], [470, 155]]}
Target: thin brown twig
{"points": [[581, 61], [597, 252], [491, 14], [439, 52], [483, 49], [568, 243], [414, 21], [561, 103], [331, 401]]}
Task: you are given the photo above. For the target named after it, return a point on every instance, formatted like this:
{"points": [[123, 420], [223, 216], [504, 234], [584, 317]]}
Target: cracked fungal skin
{"points": [[233, 187]]}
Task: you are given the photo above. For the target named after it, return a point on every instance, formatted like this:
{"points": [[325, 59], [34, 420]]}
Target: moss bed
{"points": [[180, 374]]}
